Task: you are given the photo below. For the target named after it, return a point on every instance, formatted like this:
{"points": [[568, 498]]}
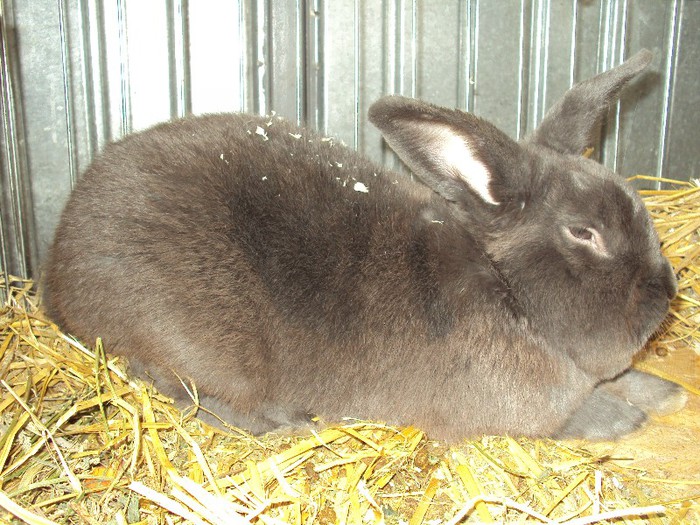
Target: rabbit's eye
{"points": [[583, 234], [589, 237]]}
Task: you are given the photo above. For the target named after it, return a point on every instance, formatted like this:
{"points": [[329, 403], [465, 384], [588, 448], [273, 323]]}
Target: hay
{"points": [[82, 443]]}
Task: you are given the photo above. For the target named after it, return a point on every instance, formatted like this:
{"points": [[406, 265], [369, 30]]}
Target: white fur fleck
{"points": [[360, 187], [295, 135], [260, 131], [429, 216], [457, 154]]}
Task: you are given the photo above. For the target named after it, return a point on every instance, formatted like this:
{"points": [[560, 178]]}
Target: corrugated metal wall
{"points": [[77, 73]]}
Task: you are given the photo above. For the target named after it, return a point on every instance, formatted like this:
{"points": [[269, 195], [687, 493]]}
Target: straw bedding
{"points": [[80, 442]]}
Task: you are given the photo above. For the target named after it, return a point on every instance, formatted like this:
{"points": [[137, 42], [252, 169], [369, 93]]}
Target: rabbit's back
{"points": [[231, 229]]}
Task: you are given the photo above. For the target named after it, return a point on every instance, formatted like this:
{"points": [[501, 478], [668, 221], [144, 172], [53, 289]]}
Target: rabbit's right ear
{"points": [[573, 123], [453, 152]]}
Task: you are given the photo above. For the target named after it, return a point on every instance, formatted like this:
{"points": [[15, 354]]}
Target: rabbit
{"points": [[505, 291]]}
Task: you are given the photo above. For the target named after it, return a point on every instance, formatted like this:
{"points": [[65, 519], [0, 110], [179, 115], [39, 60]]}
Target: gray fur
{"points": [[250, 263]]}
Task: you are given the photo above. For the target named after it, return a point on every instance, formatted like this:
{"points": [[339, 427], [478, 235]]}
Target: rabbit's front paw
{"points": [[650, 393], [602, 416]]}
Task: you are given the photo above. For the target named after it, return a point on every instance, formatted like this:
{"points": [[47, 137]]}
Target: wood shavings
{"points": [[360, 187], [261, 131]]}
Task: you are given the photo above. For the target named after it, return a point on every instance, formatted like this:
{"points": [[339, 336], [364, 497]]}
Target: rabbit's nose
{"points": [[661, 282], [669, 280]]}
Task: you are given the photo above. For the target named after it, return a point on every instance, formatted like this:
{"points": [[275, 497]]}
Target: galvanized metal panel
{"points": [[78, 73], [681, 154], [14, 195]]}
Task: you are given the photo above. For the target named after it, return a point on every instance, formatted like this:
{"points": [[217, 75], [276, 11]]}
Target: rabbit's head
{"points": [[571, 239]]}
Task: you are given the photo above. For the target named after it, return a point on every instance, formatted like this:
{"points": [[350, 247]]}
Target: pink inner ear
{"points": [[454, 153]]}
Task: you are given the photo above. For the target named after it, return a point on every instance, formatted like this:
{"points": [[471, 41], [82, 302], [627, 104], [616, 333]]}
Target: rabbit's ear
{"points": [[573, 123], [451, 151]]}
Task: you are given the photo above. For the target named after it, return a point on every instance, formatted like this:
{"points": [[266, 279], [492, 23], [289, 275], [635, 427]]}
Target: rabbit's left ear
{"points": [[573, 123], [455, 153]]}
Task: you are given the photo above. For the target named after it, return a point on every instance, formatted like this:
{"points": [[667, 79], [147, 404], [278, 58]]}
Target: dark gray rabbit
{"points": [[286, 275]]}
